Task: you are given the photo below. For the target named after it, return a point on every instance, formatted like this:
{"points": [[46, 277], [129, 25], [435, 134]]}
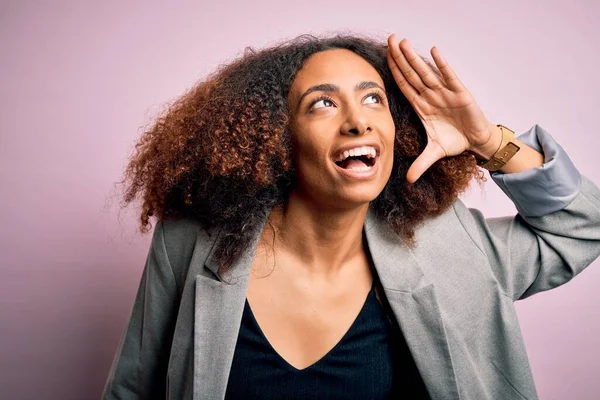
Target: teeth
{"points": [[360, 168], [368, 151]]}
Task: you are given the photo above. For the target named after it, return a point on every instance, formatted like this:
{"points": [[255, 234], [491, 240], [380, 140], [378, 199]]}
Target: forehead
{"points": [[338, 66]]}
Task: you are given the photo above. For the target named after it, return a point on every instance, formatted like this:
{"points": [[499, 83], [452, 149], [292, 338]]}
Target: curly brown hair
{"points": [[221, 153]]}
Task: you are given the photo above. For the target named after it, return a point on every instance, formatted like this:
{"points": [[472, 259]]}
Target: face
{"points": [[342, 129]]}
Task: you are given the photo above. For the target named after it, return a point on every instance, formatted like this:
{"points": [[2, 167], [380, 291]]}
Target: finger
{"points": [[452, 81], [426, 159], [417, 71], [405, 87], [407, 73]]}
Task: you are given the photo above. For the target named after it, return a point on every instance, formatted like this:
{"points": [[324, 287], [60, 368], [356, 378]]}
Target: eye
{"points": [[376, 94], [323, 98]]}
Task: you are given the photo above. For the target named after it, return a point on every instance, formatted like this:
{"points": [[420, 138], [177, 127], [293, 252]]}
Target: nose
{"points": [[357, 122]]}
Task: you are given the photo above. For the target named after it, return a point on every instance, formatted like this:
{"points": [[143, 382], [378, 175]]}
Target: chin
{"points": [[357, 196]]}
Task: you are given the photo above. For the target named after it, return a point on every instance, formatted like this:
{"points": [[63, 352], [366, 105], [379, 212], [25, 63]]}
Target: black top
{"points": [[371, 361]]}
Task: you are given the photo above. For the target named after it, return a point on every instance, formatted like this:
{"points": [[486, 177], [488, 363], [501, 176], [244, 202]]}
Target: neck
{"points": [[321, 240]]}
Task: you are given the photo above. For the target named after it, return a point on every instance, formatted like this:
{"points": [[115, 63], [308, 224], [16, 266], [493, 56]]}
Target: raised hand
{"points": [[452, 119]]}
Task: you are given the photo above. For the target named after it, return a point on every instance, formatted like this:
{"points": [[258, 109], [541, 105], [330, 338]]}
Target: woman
{"points": [[310, 242]]}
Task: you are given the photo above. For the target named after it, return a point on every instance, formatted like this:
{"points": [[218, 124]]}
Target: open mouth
{"points": [[357, 163]]}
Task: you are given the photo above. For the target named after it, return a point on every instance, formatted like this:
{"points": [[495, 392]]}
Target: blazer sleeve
{"points": [[556, 233], [139, 367]]}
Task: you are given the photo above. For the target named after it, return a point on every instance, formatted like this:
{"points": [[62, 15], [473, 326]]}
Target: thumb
{"points": [[426, 159]]}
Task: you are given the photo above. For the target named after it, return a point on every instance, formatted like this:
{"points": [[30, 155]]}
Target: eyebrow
{"points": [[330, 87]]}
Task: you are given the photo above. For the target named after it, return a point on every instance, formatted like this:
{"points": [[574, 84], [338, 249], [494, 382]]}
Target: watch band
{"points": [[508, 148]]}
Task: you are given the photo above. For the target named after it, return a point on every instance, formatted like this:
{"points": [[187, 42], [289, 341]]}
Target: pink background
{"points": [[78, 83]]}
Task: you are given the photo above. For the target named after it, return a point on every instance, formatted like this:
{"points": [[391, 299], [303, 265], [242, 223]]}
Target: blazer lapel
{"points": [[219, 305], [414, 304]]}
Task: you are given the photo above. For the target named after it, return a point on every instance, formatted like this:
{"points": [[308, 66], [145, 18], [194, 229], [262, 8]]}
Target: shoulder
{"points": [[470, 220], [181, 237]]}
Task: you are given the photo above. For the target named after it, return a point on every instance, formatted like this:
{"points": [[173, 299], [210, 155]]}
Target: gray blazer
{"points": [[452, 295]]}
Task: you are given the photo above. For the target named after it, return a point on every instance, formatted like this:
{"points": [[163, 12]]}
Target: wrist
{"points": [[488, 149]]}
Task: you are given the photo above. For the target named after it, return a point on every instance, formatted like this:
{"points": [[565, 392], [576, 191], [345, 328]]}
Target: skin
{"points": [[307, 291]]}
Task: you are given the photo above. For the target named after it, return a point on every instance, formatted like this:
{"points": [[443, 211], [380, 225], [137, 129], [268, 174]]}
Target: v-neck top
{"points": [[371, 361]]}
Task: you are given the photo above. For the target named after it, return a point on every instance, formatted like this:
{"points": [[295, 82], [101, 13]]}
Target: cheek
{"points": [[307, 151], [390, 142], [391, 128]]}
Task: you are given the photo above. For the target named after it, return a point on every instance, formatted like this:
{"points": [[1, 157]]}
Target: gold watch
{"points": [[508, 148]]}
